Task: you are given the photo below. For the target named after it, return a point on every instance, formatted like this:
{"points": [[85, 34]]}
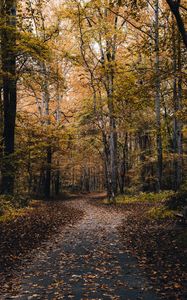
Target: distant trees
{"points": [[115, 40], [99, 30]]}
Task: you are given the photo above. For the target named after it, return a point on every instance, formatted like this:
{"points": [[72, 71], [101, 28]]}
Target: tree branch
{"points": [[174, 7]]}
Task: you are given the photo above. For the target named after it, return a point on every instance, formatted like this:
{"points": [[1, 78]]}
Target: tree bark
{"points": [[8, 40], [113, 150], [124, 166], [47, 190], [180, 124], [177, 95], [46, 99], [106, 164], [58, 113], [157, 97], [1, 133]]}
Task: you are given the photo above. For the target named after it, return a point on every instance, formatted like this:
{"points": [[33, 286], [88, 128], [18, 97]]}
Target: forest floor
{"points": [[96, 257]]}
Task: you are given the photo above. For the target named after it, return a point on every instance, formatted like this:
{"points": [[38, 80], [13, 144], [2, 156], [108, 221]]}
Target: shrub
{"points": [[8, 203], [179, 199], [160, 212], [5, 204]]}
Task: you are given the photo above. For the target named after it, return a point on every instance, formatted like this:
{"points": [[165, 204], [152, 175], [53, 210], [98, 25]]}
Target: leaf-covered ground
{"points": [[24, 231], [92, 251], [159, 246], [84, 260]]}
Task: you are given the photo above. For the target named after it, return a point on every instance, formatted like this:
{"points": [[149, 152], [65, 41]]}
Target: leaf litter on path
{"points": [[84, 261]]}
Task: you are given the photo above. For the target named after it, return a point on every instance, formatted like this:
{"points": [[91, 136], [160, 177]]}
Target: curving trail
{"points": [[83, 261]]}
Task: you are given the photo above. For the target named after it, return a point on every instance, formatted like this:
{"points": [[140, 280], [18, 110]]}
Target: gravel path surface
{"points": [[83, 261]]}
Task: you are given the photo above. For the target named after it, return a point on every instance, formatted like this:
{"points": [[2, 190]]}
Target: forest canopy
{"points": [[93, 96]]}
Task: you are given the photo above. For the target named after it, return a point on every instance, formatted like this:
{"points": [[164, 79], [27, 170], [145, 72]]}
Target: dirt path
{"points": [[84, 261]]}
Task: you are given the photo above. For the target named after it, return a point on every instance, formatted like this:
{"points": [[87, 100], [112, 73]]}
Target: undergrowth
{"points": [[13, 206], [143, 197], [160, 212], [159, 209]]}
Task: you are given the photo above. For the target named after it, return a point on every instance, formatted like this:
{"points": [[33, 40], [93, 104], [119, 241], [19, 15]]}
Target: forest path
{"points": [[84, 261]]}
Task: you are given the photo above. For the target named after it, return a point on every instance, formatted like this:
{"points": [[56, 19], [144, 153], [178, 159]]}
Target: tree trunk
{"points": [[1, 132], [157, 98], [8, 40], [175, 103], [47, 190], [177, 97], [57, 183], [177, 94], [113, 137], [124, 166], [180, 125], [46, 98], [58, 113], [106, 164]]}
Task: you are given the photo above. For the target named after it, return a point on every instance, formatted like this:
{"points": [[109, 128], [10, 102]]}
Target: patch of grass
{"points": [[14, 213], [126, 199], [160, 213], [142, 197], [11, 208], [156, 197], [6, 205]]}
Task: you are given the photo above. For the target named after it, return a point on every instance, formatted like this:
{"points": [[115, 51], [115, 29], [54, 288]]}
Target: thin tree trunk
{"points": [[177, 123], [1, 138], [113, 136], [106, 165], [1, 99], [180, 125], [48, 174], [124, 166], [57, 180], [45, 94], [177, 95], [175, 103], [157, 97], [57, 175]]}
